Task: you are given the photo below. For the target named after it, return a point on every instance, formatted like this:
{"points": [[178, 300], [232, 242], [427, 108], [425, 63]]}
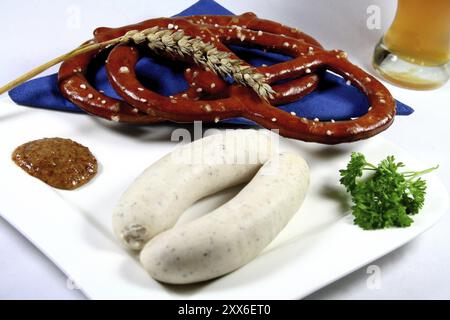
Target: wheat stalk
{"points": [[174, 42], [203, 54]]}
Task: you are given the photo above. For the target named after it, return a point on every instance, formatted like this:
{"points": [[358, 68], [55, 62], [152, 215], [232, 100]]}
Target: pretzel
{"points": [[76, 88], [250, 21], [203, 102]]}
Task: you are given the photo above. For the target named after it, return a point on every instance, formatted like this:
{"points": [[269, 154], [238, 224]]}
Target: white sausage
{"points": [[233, 234], [155, 201]]}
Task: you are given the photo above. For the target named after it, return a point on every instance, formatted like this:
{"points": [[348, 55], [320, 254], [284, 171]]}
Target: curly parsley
{"points": [[386, 197]]}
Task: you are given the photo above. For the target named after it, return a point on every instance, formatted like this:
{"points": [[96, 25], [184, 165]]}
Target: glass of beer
{"points": [[415, 51]]}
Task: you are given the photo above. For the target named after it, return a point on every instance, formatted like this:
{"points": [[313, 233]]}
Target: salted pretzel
{"points": [[204, 102], [250, 21], [75, 87]]}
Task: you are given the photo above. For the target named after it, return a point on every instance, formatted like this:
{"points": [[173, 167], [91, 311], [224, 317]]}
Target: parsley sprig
{"points": [[385, 197]]}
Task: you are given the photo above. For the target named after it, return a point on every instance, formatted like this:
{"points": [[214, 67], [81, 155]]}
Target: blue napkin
{"points": [[333, 99]]}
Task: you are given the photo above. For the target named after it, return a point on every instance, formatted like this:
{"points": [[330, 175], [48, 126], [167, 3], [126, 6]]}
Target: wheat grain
{"points": [[202, 53]]}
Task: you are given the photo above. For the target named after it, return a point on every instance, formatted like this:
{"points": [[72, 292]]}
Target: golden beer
{"points": [[415, 52]]}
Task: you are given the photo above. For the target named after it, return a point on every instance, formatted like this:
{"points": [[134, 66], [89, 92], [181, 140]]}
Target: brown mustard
{"points": [[61, 163]]}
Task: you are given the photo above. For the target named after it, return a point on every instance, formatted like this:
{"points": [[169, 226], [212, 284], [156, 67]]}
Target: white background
{"points": [[34, 31]]}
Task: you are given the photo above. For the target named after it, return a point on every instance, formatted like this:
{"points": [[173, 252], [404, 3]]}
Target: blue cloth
{"points": [[333, 99]]}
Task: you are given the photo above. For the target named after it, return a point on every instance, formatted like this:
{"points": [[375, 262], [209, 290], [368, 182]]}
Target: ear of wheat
{"points": [[174, 42]]}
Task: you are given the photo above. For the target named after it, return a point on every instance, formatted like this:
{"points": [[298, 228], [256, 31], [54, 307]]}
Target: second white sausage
{"points": [[235, 233]]}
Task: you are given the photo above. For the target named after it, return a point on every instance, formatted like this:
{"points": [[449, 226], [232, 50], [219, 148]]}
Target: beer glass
{"points": [[415, 51]]}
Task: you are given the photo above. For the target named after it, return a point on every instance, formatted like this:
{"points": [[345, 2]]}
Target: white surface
{"points": [[73, 228], [417, 270]]}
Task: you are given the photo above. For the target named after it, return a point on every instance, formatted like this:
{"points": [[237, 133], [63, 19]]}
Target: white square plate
{"points": [[73, 228]]}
